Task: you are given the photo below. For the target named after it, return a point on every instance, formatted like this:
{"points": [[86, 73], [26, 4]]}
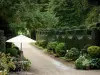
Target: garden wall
{"points": [[72, 38]]}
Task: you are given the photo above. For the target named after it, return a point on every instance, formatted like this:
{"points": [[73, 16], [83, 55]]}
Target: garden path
{"points": [[42, 64]]}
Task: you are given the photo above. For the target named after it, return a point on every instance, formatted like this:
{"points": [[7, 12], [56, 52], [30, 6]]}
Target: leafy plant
{"points": [[95, 63], [60, 49], [94, 51], [42, 43], [26, 64], [72, 54], [52, 46], [83, 62], [5, 62], [86, 64]]}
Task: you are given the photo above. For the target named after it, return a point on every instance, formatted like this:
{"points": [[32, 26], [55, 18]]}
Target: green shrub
{"points": [[90, 27], [72, 54], [95, 63], [94, 51], [12, 51], [6, 62], [19, 51], [60, 49], [42, 43], [83, 62], [37, 43], [86, 62], [26, 64], [52, 46]]}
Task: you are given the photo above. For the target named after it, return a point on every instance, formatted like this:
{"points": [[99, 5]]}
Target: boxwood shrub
{"points": [[94, 51]]}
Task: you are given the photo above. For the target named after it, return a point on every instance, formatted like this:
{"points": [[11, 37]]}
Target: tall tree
{"points": [[66, 12], [23, 15]]}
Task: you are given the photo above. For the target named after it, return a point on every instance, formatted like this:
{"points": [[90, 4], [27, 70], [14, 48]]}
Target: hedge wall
{"points": [[72, 38]]}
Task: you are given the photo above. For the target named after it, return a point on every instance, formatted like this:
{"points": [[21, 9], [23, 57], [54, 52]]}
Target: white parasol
{"points": [[21, 39]]}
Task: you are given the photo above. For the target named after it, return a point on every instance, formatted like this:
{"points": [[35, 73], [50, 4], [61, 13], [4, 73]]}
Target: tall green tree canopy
{"points": [[28, 15], [23, 15]]}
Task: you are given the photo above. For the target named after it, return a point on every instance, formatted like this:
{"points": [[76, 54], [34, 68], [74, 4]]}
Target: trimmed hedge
{"points": [[80, 31], [96, 36], [94, 51], [72, 38], [74, 41]]}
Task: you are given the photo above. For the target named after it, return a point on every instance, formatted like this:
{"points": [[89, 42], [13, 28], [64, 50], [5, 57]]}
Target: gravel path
{"points": [[42, 64]]}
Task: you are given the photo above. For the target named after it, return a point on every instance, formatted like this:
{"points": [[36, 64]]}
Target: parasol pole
{"points": [[21, 58]]}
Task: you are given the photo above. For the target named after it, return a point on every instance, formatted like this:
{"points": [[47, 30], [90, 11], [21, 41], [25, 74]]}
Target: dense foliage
{"points": [[89, 60], [6, 62], [72, 54], [51, 46], [42, 43], [83, 62], [28, 15], [60, 49], [72, 37]]}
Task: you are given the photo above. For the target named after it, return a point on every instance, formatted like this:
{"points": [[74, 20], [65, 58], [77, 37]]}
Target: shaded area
{"points": [[7, 32], [4, 25]]}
